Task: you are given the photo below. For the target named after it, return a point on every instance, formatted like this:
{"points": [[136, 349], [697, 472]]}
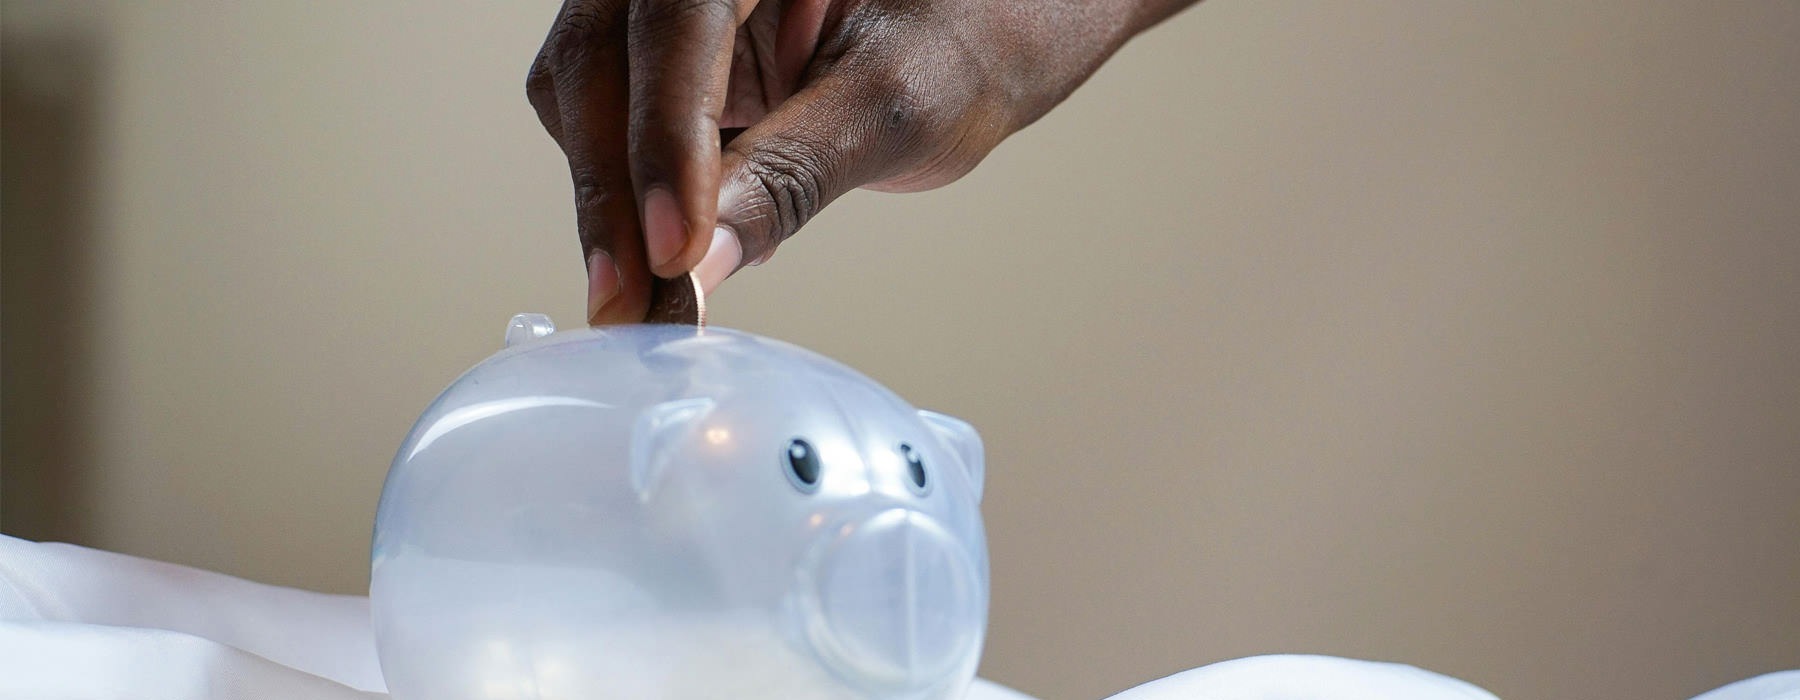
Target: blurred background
{"points": [[1459, 334]]}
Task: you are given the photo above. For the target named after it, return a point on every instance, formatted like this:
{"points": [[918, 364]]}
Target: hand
{"points": [[817, 97]]}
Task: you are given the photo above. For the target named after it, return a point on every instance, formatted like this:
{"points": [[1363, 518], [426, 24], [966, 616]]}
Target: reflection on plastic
{"points": [[659, 512]]}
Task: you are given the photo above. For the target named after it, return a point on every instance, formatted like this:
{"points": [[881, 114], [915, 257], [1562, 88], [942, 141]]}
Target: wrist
{"points": [[1149, 13], [1047, 48]]}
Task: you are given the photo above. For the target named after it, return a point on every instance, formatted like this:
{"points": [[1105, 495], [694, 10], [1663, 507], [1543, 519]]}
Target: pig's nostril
{"points": [[895, 602]]}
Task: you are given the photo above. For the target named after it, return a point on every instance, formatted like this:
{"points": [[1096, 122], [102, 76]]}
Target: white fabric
{"points": [[1300, 677], [80, 624], [1782, 685], [74, 661]]}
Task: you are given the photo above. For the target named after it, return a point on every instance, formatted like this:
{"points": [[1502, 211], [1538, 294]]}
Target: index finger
{"points": [[578, 85]]}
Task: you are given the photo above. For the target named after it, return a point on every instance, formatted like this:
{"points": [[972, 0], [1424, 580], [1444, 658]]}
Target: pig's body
{"points": [[628, 513]]}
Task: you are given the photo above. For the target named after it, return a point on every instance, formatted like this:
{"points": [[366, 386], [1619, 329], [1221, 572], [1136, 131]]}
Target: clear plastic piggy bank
{"points": [[658, 511]]}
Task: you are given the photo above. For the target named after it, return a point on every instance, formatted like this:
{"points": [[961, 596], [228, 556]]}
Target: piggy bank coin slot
{"points": [[527, 327]]}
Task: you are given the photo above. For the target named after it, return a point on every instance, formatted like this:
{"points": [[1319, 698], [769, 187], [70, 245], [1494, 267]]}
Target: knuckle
{"points": [[592, 189], [789, 185], [876, 20], [538, 78], [594, 195], [540, 87], [580, 26]]}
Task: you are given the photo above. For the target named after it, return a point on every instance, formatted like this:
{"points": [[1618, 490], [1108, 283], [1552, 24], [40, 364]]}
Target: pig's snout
{"points": [[894, 601]]}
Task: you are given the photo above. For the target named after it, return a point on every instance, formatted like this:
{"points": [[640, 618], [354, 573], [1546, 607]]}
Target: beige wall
{"points": [[1465, 334]]}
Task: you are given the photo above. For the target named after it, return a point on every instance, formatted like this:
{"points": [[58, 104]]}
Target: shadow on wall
{"points": [[49, 104]]}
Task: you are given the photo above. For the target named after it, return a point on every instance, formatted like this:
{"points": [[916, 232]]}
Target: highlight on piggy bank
{"points": [[660, 511]]}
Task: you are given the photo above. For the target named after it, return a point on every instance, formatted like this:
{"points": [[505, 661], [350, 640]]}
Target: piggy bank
{"points": [[661, 511]]}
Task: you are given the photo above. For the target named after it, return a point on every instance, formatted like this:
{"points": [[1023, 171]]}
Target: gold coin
{"points": [[699, 300]]}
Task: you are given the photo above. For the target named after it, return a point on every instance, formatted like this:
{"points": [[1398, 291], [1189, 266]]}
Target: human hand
{"points": [[818, 96]]}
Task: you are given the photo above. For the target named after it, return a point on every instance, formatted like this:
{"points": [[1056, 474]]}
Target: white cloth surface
{"points": [[1781, 685], [136, 611], [81, 624], [76, 661], [1302, 677]]}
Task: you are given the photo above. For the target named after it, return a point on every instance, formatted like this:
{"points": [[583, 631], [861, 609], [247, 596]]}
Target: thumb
{"points": [[835, 135]]}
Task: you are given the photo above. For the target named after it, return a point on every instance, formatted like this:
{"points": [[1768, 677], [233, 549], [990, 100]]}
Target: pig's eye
{"points": [[915, 467], [802, 465]]}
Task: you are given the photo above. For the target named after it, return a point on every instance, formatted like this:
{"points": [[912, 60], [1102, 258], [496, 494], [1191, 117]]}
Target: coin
{"points": [[679, 300]]}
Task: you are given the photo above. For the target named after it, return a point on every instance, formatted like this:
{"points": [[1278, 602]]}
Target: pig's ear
{"points": [[962, 438], [658, 435]]}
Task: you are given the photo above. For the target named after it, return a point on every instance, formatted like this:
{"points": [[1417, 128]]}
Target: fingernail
{"points": [[664, 233], [721, 259], [603, 282]]}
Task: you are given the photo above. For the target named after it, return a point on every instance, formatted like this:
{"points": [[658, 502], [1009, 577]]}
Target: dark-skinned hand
{"points": [[702, 133]]}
